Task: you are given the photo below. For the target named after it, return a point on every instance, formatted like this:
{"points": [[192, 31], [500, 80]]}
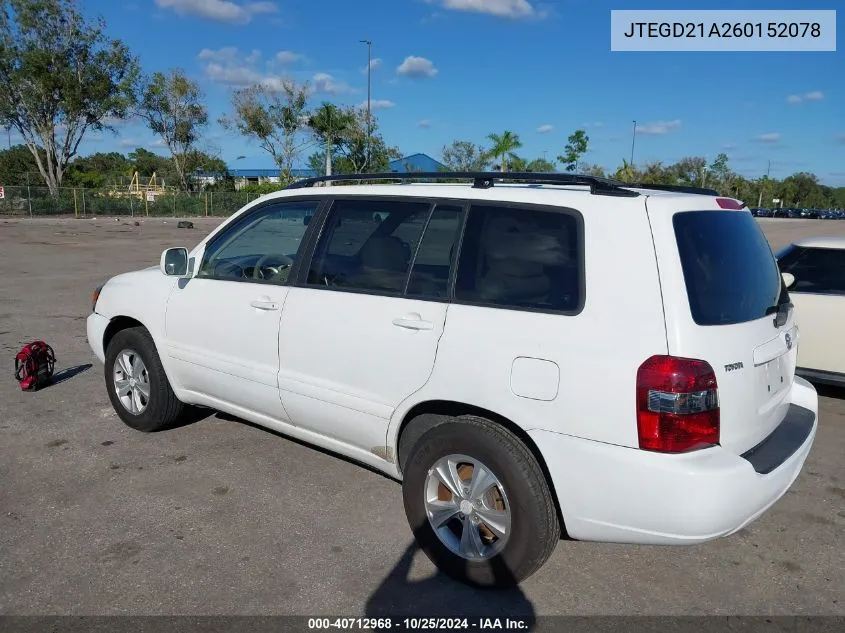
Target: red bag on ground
{"points": [[34, 365]]}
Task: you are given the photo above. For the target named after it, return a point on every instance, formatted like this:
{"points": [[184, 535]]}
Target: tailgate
{"points": [[726, 303]]}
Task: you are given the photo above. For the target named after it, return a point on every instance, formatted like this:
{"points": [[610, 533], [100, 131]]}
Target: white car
{"points": [[814, 270], [558, 356]]}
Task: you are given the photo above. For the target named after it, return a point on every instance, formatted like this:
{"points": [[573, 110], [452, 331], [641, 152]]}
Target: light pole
{"points": [[369, 75], [633, 140]]}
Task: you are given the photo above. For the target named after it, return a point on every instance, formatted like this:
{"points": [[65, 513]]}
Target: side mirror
{"points": [[174, 262], [788, 279]]}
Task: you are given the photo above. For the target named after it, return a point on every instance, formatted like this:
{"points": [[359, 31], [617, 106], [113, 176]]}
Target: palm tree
{"points": [[329, 123], [504, 146]]}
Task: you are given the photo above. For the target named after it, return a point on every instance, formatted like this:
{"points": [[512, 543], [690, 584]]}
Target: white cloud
{"points": [[230, 67], [325, 83], [159, 142], [219, 10], [545, 128], [596, 124], [374, 65], [378, 104], [497, 8], [233, 75], [288, 57], [771, 137], [729, 146], [128, 142], [417, 67], [424, 124], [658, 128], [815, 95]]}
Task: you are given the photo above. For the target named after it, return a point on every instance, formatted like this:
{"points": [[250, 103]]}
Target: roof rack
{"points": [[485, 180], [676, 188]]}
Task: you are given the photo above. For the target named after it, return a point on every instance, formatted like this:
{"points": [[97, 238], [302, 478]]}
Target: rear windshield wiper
{"points": [[782, 312]]}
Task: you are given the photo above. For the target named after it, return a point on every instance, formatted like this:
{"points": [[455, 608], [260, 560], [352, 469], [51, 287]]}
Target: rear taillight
{"points": [[677, 405], [730, 203]]}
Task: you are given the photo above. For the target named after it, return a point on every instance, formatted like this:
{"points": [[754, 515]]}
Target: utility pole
{"points": [[760, 199], [369, 83], [633, 139]]}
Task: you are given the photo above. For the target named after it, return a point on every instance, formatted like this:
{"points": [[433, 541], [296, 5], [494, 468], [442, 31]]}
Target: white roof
{"points": [[825, 241]]}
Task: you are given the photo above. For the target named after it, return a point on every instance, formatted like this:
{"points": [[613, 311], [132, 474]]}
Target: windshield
{"points": [[730, 272]]}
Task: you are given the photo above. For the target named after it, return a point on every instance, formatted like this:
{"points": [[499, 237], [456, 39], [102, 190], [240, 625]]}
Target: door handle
{"points": [[413, 322], [264, 304]]}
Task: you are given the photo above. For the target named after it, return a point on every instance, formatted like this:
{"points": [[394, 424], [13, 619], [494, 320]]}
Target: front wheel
{"points": [[478, 503], [137, 385]]}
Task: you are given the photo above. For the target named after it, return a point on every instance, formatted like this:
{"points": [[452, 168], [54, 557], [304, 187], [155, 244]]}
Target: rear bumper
{"points": [[616, 494], [96, 325]]}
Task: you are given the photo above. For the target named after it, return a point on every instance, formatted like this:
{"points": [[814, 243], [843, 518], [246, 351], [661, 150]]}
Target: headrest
{"points": [[508, 237], [384, 253]]}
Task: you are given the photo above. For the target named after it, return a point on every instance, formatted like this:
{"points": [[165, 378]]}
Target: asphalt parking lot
{"points": [[221, 517]]}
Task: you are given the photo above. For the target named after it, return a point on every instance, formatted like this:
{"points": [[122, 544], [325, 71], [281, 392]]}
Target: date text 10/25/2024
{"points": [[682, 30]]}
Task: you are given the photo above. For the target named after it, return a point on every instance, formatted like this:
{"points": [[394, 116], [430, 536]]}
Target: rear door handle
{"points": [[413, 322], [264, 303]]}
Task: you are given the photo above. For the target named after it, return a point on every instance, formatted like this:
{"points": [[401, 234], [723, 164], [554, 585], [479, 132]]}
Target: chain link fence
{"points": [[86, 203]]}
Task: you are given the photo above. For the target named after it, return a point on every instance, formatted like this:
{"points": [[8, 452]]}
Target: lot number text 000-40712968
{"points": [[723, 31]]}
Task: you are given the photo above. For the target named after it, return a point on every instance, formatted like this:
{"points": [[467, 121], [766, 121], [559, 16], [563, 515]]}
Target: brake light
{"points": [[677, 405], [730, 203]]}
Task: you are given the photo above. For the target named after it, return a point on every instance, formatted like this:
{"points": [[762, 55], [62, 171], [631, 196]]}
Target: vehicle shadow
{"points": [[440, 596], [68, 373]]}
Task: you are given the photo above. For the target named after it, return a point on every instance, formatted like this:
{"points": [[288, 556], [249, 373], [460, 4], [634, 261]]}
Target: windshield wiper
{"points": [[782, 312]]}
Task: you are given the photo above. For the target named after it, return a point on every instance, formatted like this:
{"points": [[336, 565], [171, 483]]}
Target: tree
{"points": [[353, 146], [15, 165], [464, 156], [593, 170], [517, 163], [504, 146], [331, 125], [171, 106], [61, 78], [656, 174], [574, 149], [540, 165], [626, 172], [99, 170], [276, 118], [690, 171], [147, 163], [719, 172]]}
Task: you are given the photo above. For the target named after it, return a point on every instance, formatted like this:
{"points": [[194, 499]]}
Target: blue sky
{"points": [[461, 69]]}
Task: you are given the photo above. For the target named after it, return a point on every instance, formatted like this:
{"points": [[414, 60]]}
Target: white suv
{"points": [[532, 355]]}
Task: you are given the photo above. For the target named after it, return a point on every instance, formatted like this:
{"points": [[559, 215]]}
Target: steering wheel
{"points": [[281, 263]]}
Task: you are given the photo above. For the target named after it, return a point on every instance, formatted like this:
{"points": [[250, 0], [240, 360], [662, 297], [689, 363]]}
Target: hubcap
{"points": [[131, 381], [467, 507]]}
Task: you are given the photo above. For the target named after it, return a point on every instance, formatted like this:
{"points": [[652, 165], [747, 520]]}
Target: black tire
{"points": [[163, 409], [534, 531]]}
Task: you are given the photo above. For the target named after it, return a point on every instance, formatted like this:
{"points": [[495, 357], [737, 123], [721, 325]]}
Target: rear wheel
{"points": [[137, 385], [478, 503]]}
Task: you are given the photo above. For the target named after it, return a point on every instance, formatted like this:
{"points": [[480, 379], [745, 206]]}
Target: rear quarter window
{"points": [[730, 271]]}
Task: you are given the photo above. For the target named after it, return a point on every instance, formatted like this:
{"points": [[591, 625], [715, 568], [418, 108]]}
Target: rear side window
{"points": [[520, 257], [730, 272], [816, 270]]}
